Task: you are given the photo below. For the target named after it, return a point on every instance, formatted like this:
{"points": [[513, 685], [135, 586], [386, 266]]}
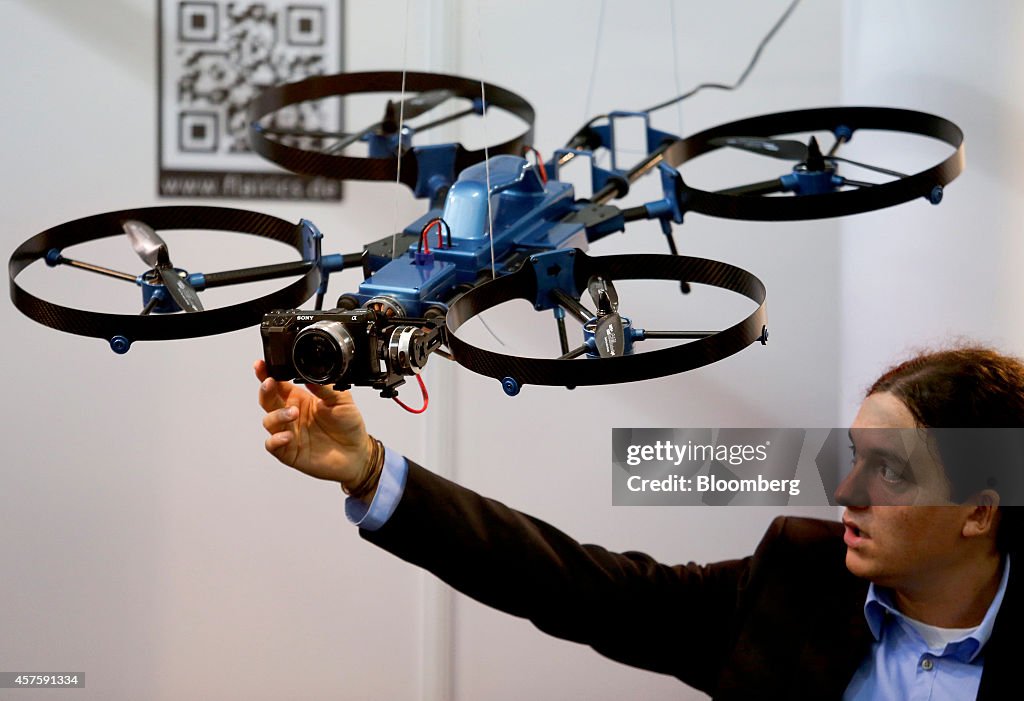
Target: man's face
{"points": [[901, 529]]}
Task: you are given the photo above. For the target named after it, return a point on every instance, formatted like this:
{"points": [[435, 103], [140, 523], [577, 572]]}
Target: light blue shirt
{"points": [[389, 493], [902, 666], [899, 666]]}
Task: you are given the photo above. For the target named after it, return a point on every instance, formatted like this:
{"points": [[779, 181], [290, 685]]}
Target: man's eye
{"points": [[890, 474]]}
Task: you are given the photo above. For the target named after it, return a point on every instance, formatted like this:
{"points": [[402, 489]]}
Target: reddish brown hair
{"points": [[969, 387]]}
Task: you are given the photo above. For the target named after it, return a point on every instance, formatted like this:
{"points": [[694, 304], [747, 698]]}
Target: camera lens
{"points": [[322, 352]]}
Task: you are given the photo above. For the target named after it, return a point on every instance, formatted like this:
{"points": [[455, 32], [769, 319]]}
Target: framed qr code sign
{"points": [[214, 56]]}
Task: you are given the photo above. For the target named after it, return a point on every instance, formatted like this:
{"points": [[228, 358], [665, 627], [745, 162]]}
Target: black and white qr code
{"points": [[215, 57]]}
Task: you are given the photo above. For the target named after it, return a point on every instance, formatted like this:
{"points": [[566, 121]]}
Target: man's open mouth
{"points": [[853, 534]]}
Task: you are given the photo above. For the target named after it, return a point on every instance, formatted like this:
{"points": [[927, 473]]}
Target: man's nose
{"points": [[852, 491]]}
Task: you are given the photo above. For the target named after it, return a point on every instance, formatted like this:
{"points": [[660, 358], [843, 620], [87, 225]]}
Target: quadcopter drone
{"points": [[499, 226]]}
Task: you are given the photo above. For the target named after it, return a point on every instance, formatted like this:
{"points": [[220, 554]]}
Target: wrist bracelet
{"points": [[376, 464]]}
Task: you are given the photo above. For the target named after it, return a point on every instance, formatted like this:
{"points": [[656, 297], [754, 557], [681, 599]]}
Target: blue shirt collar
{"points": [[879, 605]]}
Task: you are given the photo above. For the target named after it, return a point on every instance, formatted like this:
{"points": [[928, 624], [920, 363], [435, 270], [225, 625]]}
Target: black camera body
{"points": [[344, 348]]}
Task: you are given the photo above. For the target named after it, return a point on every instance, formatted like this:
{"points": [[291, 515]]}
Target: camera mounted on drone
{"points": [[345, 347]]}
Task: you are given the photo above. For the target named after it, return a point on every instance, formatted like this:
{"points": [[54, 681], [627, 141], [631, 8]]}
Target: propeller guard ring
{"points": [[159, 327], [523, 284], [833, 204], [315, 163]]}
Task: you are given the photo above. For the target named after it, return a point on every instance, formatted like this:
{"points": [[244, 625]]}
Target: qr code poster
{"points": [[214, 57]]}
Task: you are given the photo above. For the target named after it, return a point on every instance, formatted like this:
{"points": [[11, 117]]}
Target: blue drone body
{"points": [[526, 214], [495, 229]]}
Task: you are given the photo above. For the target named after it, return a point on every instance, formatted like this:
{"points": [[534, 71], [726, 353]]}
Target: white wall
{"points": [[149, 541], [919, 276]]}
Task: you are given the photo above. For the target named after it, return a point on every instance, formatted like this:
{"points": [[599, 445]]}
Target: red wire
{"points": [[426, 399], [540, 164], [423, 238], [425, 231]]}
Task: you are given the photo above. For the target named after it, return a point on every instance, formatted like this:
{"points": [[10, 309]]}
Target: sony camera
{"points": [[340, 347]]}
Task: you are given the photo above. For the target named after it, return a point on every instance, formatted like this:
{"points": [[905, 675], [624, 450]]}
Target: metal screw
{"points": [[120, 345]]}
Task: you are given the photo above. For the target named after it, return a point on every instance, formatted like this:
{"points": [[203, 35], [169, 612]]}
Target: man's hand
{"points": [[319, 432]]}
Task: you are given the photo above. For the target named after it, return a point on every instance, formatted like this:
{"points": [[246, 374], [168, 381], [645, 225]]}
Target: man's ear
{"points": [[983, 518]]}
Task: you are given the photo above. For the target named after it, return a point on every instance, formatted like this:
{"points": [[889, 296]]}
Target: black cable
{"points": [[582, 137], [753, 61], [447, 229]]}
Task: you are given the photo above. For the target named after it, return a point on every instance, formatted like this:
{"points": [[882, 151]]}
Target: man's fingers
{"points": [[269, 386], [330, 396], [279, 419], [277, 441], [274, 394], [270, 397]]}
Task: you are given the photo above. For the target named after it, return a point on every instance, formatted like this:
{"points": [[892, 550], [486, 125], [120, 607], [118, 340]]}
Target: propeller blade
{"points": [[147, 244], [420, 128], [608, 336], [153, 251], [786, 149], [180, 291], [351, 139], [414, 106], [604, 295]]}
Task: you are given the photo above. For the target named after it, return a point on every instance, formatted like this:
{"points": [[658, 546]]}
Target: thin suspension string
{"points": [[487, 175], [483, 123], [675, 61], [593, 63], [398, 181], [401, 119]]}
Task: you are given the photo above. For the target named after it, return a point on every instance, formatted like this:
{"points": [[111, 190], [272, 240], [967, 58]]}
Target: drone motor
{"points": [[386, 305], [408, 348]]}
